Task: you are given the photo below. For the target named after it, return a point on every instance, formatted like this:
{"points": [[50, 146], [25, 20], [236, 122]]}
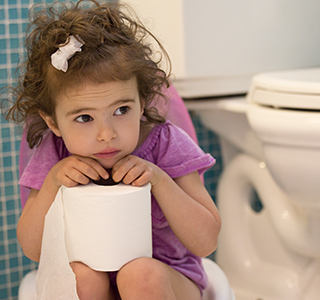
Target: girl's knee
{"points": [[91, 284], [148, 278], [143, 273]]}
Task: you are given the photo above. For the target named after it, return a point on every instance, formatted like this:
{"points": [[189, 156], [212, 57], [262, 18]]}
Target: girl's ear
{"points": [[50, 123], [143, 105]]}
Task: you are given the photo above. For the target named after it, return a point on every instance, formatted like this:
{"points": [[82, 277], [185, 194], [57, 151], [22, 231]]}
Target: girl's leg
{"points": [[147, 278], [92, 285]]}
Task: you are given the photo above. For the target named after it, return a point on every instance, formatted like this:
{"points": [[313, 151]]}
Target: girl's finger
{"points": [[132, 170], [121, 168], [142, 180], [95, 170], [132, 175]]}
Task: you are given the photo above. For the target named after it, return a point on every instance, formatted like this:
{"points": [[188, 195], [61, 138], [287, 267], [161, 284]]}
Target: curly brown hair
{"points": [[115, 48]]}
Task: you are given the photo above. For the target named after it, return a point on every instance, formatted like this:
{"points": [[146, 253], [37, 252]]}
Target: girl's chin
{"points": [[106, 164]]}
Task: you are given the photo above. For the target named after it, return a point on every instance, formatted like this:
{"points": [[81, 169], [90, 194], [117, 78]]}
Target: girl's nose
{"points": [[106, 133]]}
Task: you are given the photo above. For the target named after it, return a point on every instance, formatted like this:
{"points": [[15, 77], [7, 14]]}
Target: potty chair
{"points": [[218, 286]]}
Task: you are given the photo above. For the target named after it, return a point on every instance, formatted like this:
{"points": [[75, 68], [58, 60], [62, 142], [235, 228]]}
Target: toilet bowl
{"points": [[218, 286], [284, 112], [268, 194]]}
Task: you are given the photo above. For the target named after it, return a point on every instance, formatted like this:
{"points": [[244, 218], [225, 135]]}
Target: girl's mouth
{"points": [[109, 153]]}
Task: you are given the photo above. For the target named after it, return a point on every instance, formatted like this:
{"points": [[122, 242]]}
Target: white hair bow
{"points": [[60, 58]]}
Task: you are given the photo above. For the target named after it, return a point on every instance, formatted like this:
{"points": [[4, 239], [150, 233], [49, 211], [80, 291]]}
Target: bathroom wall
{"points": [[13, 264], [209, 142]]}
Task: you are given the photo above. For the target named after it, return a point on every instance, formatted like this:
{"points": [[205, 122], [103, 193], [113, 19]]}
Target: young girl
{"points": [[86, 99]]}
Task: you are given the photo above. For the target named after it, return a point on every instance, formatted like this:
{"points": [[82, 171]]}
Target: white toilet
{"points": [[271, 143], [284, 112]]}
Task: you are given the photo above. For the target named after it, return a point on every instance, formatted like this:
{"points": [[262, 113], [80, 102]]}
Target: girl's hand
{"points": [[70, 171], [136, 171], [75, 169]]}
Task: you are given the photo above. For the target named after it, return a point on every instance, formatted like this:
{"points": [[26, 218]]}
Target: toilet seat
{"points": [[294, 89]]}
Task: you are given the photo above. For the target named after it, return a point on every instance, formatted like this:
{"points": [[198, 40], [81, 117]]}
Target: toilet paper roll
{"points": [[107, 226], [102, 226], [55, 278]]}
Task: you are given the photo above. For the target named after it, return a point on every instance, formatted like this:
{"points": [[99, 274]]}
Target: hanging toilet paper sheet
{"points": [[102, 226]]}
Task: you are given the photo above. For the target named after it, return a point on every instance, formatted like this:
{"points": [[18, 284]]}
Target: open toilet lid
{"points": [[298, 89]]}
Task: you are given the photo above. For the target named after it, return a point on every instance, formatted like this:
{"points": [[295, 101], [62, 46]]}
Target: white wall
{"points": [[164, 19], [216, 46]]}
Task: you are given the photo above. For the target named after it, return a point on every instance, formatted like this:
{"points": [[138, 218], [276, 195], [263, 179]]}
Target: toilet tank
{"points": [[217, 45]]}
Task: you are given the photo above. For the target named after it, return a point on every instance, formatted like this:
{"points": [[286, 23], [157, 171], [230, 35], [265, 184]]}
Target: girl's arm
{"points": [[69, 172], [190, 211], [185, 202]]}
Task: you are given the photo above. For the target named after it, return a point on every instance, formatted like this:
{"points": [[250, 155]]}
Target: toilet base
{"points": [[252, 249], [245, 295]]}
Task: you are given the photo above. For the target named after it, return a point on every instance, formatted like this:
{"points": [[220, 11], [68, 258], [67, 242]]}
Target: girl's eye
{"points": [[84, 119], [121, 110]]}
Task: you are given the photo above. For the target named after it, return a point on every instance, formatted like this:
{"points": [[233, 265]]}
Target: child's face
{"points": [[101, 121]]}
